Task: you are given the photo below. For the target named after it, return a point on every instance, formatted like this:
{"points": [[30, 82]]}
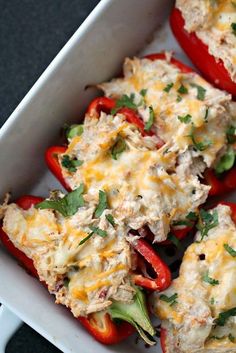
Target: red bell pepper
{"points": [[51, 158], [104, 330], [163, 274], [212, 69], [105, 104], [24, 202], [222, 185], [100, 104], [99, 325], [163, 336]]}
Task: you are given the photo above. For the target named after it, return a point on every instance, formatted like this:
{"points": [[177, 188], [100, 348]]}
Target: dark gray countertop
{"points": [[31, 34]]}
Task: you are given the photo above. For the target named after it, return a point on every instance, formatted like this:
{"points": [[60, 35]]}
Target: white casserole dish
{"points": [[115, 29]]}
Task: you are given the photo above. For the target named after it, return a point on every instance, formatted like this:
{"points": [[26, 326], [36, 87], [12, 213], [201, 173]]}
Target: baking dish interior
{"points": [[95, 53]]}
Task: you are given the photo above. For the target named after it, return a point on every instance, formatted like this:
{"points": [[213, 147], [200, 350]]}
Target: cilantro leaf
{"points": [[110, 219], [200, 146], [224, 316], [226, 162], [230, 250], [125, 101], [68, 205], [182, 89], [86, 238], [201, 91], [118, 147], [185, 119], [206, 114], [231, 338], [179, 98], [143, 92], [231, 134], [102, 233], [102, 204], [168, 87], [171, 300], [149, 123], [71, 164], [211, 281], [95, 230], [192, 216], [207, 221], [171, 237], [233, 26]]}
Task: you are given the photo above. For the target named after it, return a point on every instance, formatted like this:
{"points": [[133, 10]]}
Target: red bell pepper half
{"points": [[212, 69], [163, 274], [51, 158], [222, 185], [163, 336], [99, 325]]}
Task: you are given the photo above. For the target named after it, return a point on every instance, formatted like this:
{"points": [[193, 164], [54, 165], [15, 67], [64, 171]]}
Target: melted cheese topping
{"points": [[190, 322], [209, 114], [53, 242], [143, 184], [211, 20]]}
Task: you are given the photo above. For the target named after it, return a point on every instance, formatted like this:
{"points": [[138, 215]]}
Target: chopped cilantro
{"points": [[118, 147], [212, 301], [179, 98], [143, 92], [201, 91], [207, 221], [182, 89], [102, 204], [206, 114], [102, 233], [233, 26], [86, 238], [171, 237], [224, 316], [110, 219], [230, 250], [200, 146], [168, 87], [150, 121], [71, 164], [192, 216], [171, 300], [226, 162], [68, 205], [185, 119], [125, 101], [211, 281], [231, 134], [94, 230]]}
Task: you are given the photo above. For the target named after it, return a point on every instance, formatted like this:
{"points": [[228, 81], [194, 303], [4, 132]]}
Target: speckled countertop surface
{"points": [[31, 34]]}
